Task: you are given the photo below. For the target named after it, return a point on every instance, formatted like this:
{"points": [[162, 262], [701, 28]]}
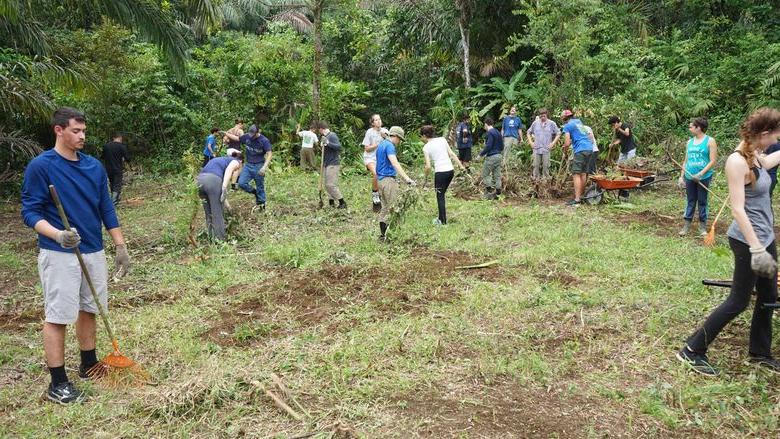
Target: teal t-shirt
{"points": [[698, 156]]}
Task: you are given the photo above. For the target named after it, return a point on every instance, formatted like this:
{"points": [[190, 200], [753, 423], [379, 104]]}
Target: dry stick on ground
{"points": [[287, 394], [278, 401], [483, 265]]}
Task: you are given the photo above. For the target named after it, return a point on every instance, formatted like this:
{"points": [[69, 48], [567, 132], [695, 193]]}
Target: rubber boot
{"points": [[342, 204], [685, 228], [331, 203], [702, 229], [383, 232]]}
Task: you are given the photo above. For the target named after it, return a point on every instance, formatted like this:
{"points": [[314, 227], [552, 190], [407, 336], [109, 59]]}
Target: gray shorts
{"points": [[65, 289]]}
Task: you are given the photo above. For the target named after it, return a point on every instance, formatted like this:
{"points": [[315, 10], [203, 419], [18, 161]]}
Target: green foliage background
{"points": [[656, 64]]}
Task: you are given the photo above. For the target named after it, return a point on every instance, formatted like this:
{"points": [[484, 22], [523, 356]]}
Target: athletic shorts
{"points": [[593, 162], [580, 163], [65, 289], [464, 154]]}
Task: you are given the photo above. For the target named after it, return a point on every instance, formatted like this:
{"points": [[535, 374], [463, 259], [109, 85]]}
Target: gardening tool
{"points": [[116, 367], [689, 174], [727, 284], [709, 240], [322, 172]]}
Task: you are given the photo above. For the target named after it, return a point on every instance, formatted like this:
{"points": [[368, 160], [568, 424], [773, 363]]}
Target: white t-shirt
{"points": [[437, 151], [590, 131], [308, 138], [372, 137]]}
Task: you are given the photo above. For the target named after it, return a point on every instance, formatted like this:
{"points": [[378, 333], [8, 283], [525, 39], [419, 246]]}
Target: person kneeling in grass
{"points": [[387, 167], [752, 240], [438, 151]]}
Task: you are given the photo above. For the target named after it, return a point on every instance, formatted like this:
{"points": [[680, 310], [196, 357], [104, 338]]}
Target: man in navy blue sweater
{"points": [[82, 185], [491, 170]]}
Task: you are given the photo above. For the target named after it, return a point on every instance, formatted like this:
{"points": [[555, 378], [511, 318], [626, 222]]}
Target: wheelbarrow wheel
{"points": [[593, 195]]}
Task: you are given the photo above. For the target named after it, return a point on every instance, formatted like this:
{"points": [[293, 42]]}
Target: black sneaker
{"points": [[64, 393], [698, 362], [768, 363]]}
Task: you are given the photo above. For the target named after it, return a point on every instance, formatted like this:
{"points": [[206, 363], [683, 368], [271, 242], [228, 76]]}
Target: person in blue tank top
{"points": [[701, 154], [210, 147], [752, 240]]}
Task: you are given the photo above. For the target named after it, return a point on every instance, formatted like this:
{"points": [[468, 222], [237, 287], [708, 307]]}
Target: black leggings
{"points": [[741, 289], [441, 181]]}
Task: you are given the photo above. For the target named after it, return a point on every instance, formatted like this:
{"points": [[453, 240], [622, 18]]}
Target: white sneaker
{"points": [[375, 198], [436, 222]]}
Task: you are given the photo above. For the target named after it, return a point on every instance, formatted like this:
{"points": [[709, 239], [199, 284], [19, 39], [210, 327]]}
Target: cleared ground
{"points": [[571, 334]]}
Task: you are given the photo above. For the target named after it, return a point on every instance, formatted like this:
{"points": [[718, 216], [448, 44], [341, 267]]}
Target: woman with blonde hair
{"points": [[752, 240]]}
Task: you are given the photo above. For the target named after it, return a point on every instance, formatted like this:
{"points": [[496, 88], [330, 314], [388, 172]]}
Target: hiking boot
{"points": [[259, 208], [573, 202], [685, 228], [767, 363], [702, 229], [64, 393], [489, 194], [697, 362]]}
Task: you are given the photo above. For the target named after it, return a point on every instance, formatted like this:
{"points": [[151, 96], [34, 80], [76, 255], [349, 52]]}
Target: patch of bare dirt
{"points": [[508, 409], [19, 321], [291, 300]]}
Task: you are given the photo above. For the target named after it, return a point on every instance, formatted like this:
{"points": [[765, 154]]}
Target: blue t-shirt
{"points": [[512, 126], [463, 136], [82, 186], [217, 166], [579, 136], [384, 168], [493, 143], [255, 148], [211, 140]]}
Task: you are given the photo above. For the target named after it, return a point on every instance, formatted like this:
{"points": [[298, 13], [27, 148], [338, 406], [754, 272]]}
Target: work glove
{"points": [[223, 195], [68, 238], [681, 183], [762, 263], [696, 177], [121, 260]]}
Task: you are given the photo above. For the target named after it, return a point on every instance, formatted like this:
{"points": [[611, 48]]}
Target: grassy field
{"points": [[572, 334]]}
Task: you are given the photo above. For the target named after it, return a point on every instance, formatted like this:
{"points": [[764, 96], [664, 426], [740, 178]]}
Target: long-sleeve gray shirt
{"points": [[332, 147]]}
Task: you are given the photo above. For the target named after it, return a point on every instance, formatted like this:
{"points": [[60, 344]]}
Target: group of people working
{"points": [[83, 187]]}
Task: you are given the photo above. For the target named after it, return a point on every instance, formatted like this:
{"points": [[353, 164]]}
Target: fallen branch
{"points": [[278, 401], [287, 394], [484, 265]]}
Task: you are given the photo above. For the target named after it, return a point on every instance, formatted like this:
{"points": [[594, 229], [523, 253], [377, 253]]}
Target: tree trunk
{"points": [[315, 92], [464, 40]]}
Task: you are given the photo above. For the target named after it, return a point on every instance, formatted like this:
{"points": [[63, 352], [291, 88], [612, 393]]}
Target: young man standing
{"points": [[210, 149], [114, 157], [332, 161], [258, 158], [625, 138], [543, 134], [371, 141], [491, 170], [82, 186], [511, 131], [308, 139], [577, 135], [387, 168], [464, 140]]}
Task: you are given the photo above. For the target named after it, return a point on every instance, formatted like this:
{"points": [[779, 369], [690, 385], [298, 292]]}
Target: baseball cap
{"points": [[252, 129], [567, 113]]}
